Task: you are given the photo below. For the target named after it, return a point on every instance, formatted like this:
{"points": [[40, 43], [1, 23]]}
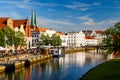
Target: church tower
{"points": [[33, 19]]}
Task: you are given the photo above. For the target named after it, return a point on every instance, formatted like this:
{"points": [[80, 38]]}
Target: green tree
{"points": [[113, 38], [2, 38], [19, 39], [44, 39], [14, 38], [10, 34], [55, 40]]}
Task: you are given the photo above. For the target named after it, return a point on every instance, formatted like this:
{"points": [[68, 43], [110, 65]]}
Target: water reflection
{"points": [[70, 67]]}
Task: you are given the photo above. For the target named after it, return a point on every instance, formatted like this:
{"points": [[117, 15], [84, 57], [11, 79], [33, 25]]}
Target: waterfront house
{"points": [[17, 25], [74, 39], [64, 38]]}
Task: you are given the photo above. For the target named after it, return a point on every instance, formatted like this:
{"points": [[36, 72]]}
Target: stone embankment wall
{"points": [[68, 50]]}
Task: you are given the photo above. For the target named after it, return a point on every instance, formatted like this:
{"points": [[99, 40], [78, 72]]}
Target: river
{"points": [[70, 67]]}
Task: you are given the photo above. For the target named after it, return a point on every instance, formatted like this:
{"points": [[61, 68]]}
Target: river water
{"points": [[70, 67]]}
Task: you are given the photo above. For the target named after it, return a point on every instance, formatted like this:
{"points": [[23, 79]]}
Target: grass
{"points": [[109, 70]]}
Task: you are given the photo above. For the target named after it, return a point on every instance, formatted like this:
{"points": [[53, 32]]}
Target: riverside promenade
{"points": [[11, 63]]}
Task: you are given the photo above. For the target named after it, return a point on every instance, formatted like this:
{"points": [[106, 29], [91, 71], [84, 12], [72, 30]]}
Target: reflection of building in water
{"points": [[71, 59], [94, 58], [81, 59]]}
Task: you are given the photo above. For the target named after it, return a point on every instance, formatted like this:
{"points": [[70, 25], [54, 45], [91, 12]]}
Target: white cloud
{"points": [[89, 23], [81, 6], [13, 15], [77, 5], [26, 4], [84, 9], [51, 10], [66, 26], [55, 24], [88, 20], [26, 1], [16, 15], [50, 21]]}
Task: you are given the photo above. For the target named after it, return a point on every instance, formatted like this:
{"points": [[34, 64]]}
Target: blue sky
{"points": [[65, 15]]}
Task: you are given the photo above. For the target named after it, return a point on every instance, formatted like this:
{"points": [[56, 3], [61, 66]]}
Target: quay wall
{"points": [[2, 68], [68, 50], [16, 64]]}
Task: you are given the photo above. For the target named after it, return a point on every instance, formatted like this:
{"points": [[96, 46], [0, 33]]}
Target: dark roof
{"points": [[3, 22]]}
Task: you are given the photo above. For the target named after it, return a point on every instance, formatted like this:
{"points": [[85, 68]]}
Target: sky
{"points": [[65, 15]]}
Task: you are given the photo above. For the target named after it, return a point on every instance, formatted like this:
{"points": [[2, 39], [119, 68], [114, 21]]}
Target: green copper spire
{"points": [[33, 19]]}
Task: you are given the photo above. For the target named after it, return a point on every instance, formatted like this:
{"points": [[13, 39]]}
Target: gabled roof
{"points": [[89, 37], [87, 32], [3, 22], [99, 31], [41, 29], [18, 23], [60, 33], [36, 29]]}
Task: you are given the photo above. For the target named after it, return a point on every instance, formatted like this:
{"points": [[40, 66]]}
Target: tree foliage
{"points": [[54, 40], [19, 39], [2, 38], [16, 38], [10, 34], [113, 38]]}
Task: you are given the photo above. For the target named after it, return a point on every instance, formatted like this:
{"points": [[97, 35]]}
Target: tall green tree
{"points": [[10, 34], [2, 38], [19, 39], [113, 38], [14, 38]]}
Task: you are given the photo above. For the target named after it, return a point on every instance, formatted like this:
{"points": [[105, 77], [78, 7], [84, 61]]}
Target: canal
{"points": [[70, 67]]}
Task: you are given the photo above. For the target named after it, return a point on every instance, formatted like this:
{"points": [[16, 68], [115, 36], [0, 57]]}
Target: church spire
{"points": [[33, 18]]}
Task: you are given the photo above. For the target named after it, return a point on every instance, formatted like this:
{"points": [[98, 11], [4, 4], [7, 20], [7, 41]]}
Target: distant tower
{"points": [[33, 19]]}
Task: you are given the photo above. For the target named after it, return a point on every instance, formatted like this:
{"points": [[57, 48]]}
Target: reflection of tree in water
{"points": [[55, 64], [43, 66]]}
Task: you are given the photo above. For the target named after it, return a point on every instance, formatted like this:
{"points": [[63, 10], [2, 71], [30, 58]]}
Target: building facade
{"points": [[22, 25], [74, 39]]}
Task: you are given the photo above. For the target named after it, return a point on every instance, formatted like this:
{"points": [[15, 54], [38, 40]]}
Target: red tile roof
{"points": [[89, 37], [41, 29], [34, 28], [17, 23], [60, 33], [3, 22], [99, 32]]}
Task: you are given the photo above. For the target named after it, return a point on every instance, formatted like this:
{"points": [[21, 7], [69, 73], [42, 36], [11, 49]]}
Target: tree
{"points": [[55, 40], [19, 39], [44, 39], [2, 38], [14, 38], [113, 38], [10, 34]]}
